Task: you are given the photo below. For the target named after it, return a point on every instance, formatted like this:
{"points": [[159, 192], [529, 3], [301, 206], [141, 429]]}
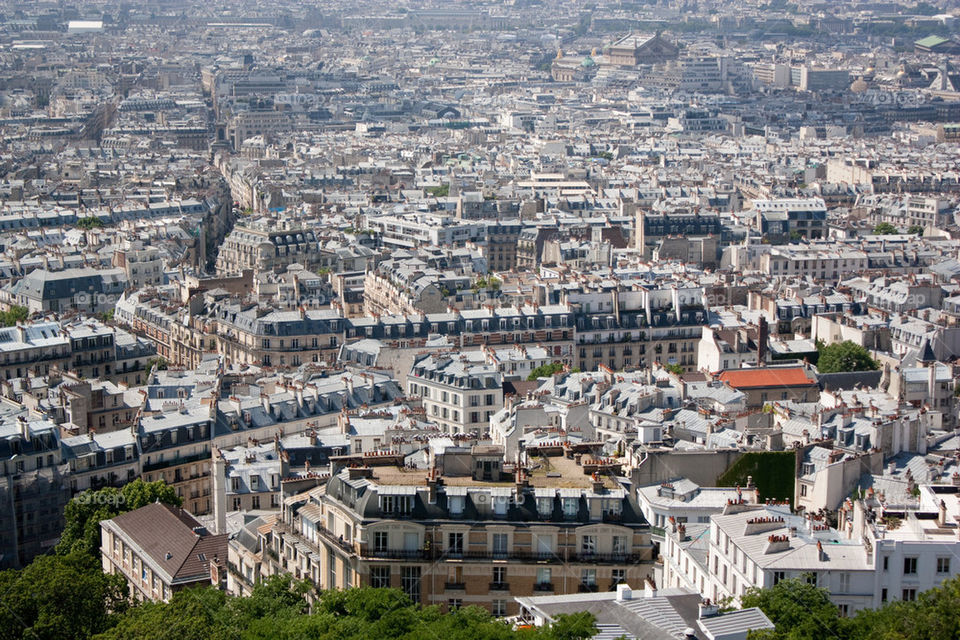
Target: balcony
{"points": [[543, 586], [455, 586], [587, 588], [499, 586]]}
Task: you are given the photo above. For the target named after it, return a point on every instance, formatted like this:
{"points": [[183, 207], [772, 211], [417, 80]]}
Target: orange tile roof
{"points": [[773, 377]]}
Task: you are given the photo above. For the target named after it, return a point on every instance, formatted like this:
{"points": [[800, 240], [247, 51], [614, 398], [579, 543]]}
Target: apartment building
{"points": [[250, 334], [268, 246], [459, 391], [160, 550], [758, 546], [175, 445], [459, 534], [791, 218], [770, 384], [638, 327], [815, 262], [32, 491]]}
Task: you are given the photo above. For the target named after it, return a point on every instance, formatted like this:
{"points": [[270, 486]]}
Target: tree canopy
{"points": [[278, 609], [82, 515], [545, 370], [801, 611], [843, 357], [884, 229], [13, 315], [59, 597]]}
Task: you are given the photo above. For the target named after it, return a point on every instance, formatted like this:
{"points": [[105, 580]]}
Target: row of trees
{"points": [[801, 611]]}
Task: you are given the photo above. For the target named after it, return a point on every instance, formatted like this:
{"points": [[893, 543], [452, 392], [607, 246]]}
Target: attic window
{"points": [[202, 557], [168, 556]]}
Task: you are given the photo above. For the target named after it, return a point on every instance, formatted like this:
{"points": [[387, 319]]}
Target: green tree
{"points": [[160, 362], [573, 626], [915, 229], [844, 356], [82, 515], [59, 597], [13, 315], [799, 610], [90, 222], [545, 371], [674, 368], [884, 229], [199, 613]]}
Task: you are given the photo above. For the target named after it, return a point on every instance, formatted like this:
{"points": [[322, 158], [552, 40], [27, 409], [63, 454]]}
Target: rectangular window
{"points": [[455, 543], [543, 576], [909, 595], [499, 575], [778, 576], [588, 545], [943, 565], [380, 577], [410, 582], [618, 576], [619, 544], [588, 577], [499, 545], [909, 566], [380, 540], [498, 608], [545, 546]]}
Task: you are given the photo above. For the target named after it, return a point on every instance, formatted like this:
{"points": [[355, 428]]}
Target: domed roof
{"points": [[859, 85], [587, 62]]}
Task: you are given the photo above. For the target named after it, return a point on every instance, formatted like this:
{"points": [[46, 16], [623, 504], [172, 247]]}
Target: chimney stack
{"points": [[707, 609]]}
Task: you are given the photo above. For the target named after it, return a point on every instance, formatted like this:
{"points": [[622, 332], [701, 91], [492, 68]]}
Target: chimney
{"points": [[24, 428], [762, 340], [707, 609], [596, 482], [624, 592], [821, 555], [942, 518], [219, 491], [433, 482], [649, 588]]}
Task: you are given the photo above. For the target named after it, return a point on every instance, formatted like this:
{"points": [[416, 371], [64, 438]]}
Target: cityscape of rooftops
{"points": [[480, 320]]}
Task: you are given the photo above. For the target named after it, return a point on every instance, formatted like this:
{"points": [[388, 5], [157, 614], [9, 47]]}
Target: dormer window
{"points": [[456, 505]]}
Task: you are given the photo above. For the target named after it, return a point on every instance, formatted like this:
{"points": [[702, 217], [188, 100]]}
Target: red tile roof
{"points": [[772, 377]]}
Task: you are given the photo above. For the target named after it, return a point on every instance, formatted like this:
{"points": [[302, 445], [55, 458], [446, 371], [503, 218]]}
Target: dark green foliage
{"points": [[59, 597], [799, 610], [772, 471], [844, 356], [89, 222], [884, 229], [14, 315], [545, 370], [278, 609], [82, 515], [439, 192], [159, 361]]}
